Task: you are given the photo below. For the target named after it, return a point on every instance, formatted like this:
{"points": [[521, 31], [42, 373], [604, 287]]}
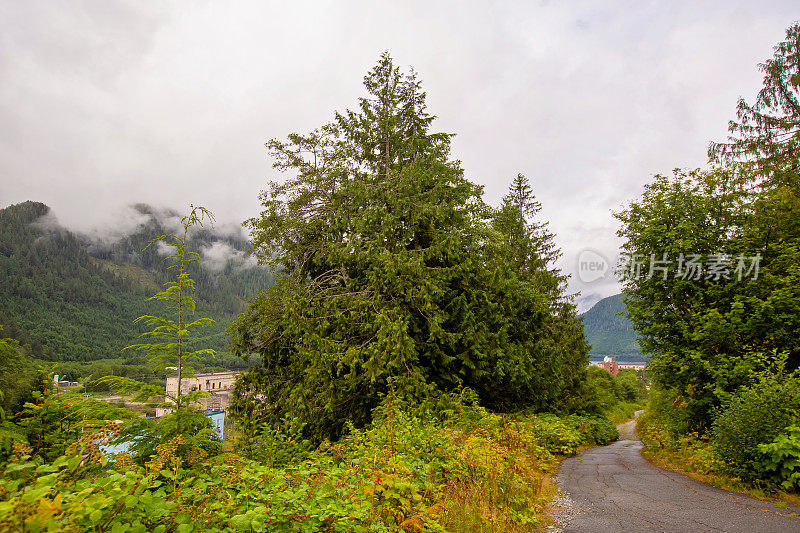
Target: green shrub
{"points": [[781, 458], [602, 392], [554, 433], [594, 429], [756, 416], [668, 409]]}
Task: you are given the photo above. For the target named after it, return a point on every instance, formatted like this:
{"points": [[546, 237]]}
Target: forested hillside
{"points": [[609, 331], [67, 297]]}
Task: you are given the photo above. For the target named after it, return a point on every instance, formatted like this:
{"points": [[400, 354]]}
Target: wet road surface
{"points": [[613, 488]]}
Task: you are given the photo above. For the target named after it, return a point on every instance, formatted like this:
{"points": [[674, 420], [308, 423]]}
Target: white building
{"points": [[218, 384]]}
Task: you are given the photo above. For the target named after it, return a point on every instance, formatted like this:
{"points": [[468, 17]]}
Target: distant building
{"points": [[633, 366], [218, 384], [610, 364]]}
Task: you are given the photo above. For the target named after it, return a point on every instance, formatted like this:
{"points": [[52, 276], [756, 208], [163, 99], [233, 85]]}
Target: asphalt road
{"points": [[614, 488]]}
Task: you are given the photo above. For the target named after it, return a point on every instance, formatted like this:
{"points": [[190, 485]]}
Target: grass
{"points": [[623, 411]]}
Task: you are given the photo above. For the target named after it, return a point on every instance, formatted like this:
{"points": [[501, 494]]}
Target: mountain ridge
{"points": [[610, 332], [74, 298]]}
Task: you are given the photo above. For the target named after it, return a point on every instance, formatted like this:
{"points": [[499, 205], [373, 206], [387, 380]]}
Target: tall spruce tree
{"points": [[530, 242], [392, 276], [532, 253], [766, 133]]}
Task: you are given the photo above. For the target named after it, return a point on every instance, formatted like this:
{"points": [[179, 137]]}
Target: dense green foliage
{"points": [[397, 276], [21, 382], [725, 348], [754, 418], [606, 390], [609, 331], [710, 336], [401, 473], [20, 377], [68, 298], [780, 459]]}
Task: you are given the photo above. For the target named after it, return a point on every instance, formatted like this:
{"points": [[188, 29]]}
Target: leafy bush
{"points": [[594, 429], [564, 435], [602, 392], [20, 377], [146, 434], [781, 458], [400, 473], [756, 416], [669, 410], [690, 451], [555, 434]]}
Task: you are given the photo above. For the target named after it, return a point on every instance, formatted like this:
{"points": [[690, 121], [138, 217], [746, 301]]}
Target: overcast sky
{"points": [[107, 103]]}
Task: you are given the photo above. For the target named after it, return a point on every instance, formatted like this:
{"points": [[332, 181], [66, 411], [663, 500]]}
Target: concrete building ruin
{"points": [[218, 384]]}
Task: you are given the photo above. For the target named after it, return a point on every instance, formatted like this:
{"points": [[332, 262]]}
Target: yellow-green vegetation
{"points": [[405, 472], [624, 411], [748, 452]]}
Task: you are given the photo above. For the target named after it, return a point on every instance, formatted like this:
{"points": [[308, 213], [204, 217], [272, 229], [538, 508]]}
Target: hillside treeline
{"points": [[67, 298]]}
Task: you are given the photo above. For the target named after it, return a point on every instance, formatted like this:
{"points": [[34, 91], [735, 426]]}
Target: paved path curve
{"points": [[614, 488]]}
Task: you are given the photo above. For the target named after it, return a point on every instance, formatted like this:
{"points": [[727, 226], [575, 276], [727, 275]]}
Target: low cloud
{"points": [[165, 249], [219, 254], [48, 223], [126, 222]]}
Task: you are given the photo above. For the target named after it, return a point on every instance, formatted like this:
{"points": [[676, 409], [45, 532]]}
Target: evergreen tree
{"points": [[393, 278], [531, 251], [178, 296], [766, 134], [171, 349], [530, 242]]}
